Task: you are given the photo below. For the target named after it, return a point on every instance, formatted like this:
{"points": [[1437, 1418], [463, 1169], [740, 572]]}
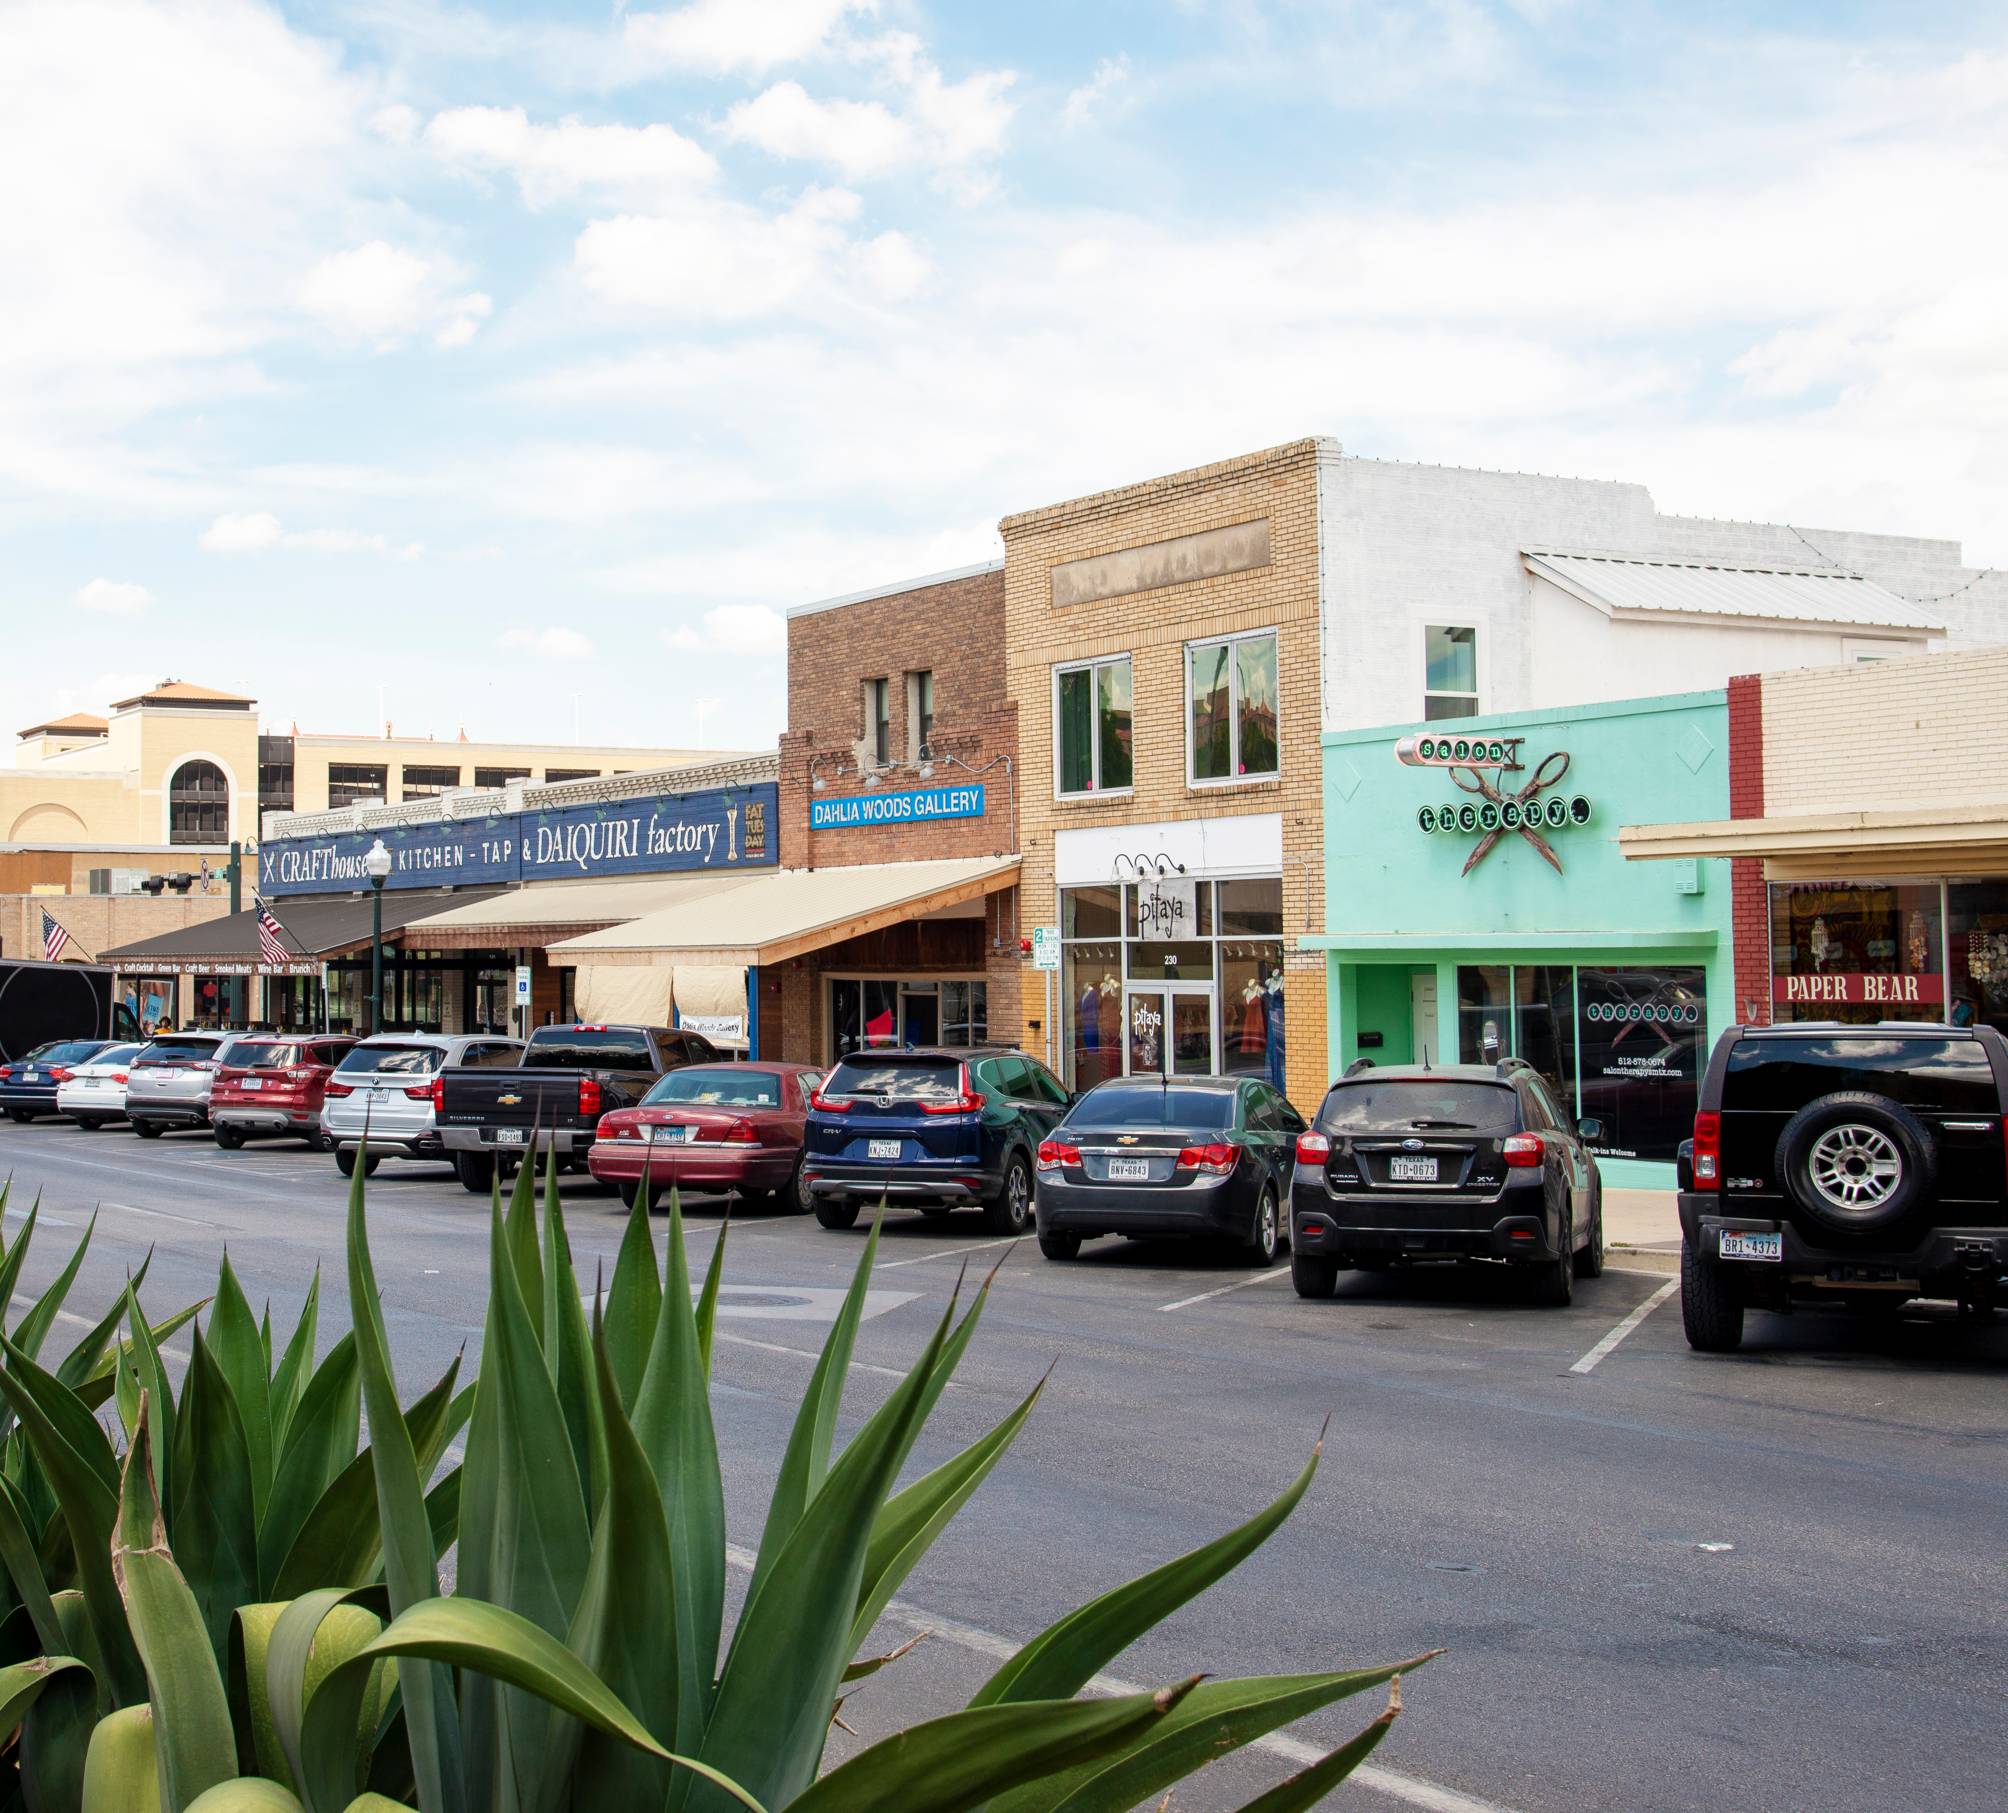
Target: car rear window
{"points": [[1782, 1075], [71, 1051], [1148, 1105], [392, 1060], [720, 1088], [268, 1053], [1404, 1104], [173, 1050], [914, 1080], [589, 1048]]}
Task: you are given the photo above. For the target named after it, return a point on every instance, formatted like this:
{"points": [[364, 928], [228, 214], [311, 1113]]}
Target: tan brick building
{"points": [[1162, 646]]}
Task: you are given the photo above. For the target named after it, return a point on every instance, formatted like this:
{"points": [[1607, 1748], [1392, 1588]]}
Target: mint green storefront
{"points": [[1611, 978]]}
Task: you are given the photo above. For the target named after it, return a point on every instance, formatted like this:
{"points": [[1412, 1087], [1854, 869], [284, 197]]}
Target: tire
{"points": [[1554, 1280], [796, 1196], [1011, 1213], [20, 1116], [1856, 1163], [1058, 1245], [1711, 1316], [835, 1212], [476, 1171], [91, 1123], [229, 1138], [1264, 1244], [630, 1191], [1311, 1275], [345, 1162], [147, 1129], [1590, 1261]]}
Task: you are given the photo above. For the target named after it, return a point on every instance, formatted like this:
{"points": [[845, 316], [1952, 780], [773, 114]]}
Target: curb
{"points": [[1642, 1258]]}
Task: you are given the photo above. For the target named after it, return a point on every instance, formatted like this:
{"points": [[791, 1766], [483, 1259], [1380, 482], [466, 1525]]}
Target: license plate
{"points": [[1736, 1245], [166, 1074], [30, 1076], [508, 1136], [1129, 1170], [672, 1136], [254, 1082], [882, 1148], [1412, 1170]]}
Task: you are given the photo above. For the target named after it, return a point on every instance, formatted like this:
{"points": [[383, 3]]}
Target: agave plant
{"points": [[245, 1612]]}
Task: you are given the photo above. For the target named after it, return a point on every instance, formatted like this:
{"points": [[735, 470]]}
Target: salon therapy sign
{"points": [[718, 828], [1528, 803]]}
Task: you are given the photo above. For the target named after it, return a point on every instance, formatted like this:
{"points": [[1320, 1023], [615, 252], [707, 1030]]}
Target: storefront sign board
{"points": [[726, 1029], [719, 828], [1167, 907], [922, 805], [1858, 989]]}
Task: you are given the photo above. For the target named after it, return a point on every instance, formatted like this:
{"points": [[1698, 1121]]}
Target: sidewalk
{"points": [[1642, 1229]]}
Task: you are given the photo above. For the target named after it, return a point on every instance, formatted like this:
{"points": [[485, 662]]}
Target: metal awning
{"points": [[1641, 586], [1820, 846], [542, 913], [783, 913], [312, 931]]}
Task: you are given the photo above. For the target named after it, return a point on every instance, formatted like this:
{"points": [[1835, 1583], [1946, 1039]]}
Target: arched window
{"points": [[198, 805]]}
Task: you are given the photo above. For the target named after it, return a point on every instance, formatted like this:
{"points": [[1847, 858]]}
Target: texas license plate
{"points": [[508, 1136], [1736, 1245], [30, 1076], [254, 1082], [672, 1136], [882, 1148], [1129, 1170], [1412, 1170]]}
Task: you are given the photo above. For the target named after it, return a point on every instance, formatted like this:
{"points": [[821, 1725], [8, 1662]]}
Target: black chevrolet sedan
{"points": [[1157, 1156]]}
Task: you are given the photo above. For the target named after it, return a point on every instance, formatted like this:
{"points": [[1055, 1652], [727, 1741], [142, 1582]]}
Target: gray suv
{"points": [[389, 1085], [169, 1082]]}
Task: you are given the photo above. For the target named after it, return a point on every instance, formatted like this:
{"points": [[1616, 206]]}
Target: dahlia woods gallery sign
{"points": [[719, 828]]}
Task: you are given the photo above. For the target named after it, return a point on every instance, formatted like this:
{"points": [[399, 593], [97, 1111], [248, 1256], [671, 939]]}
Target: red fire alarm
{"points": [[1024, 947]]}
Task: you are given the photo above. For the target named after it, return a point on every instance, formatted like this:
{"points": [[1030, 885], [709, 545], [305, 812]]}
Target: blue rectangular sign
{"points": [[719, 828], [922, 806]]}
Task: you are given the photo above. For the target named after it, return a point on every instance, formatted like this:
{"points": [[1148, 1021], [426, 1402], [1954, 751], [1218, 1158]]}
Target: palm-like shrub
{"points": [[244, 1611]]}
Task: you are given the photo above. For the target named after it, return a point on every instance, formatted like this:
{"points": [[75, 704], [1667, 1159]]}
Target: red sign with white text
{"points": [[1856, 989]]}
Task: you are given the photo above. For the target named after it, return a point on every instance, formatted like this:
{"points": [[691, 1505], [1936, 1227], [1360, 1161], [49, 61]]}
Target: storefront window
{"points": [[1856, 951], [1484, 1013], [1092, 990], [1544, 1023], [871, 1012], [1976, 952], [1251, 1008]]}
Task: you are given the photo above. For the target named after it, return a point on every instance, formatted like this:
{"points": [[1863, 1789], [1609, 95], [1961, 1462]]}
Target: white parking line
{"points": [[954, 1252], [1414, 1789], [1239, 1284], [133, 1208], [803, 1353], [1588, 1363]]}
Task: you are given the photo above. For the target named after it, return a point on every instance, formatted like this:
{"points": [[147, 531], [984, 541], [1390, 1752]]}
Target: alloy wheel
{"points": [[1854, 1167]]}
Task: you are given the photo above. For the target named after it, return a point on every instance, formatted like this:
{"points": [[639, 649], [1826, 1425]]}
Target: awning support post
{"points": [[753, 1012]]}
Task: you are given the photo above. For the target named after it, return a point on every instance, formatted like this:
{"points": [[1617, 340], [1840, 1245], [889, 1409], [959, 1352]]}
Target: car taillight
{"points": [[418, 1092], [829, 1104], [741, 1133], [1313, 1148], [437, 1090], [1523, 1151], [335, 1088], [1708, 1150], [1216, 1159], [6, 1073], [57, 1074], [1056, 1152], [589, 1095], [119, 1076]]}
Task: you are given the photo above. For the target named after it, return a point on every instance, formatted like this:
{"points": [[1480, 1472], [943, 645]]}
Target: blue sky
{"points": [[490, 355]]}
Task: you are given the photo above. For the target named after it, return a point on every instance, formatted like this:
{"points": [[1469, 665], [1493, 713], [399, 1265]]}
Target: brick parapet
{"points": [[1750, 906]]}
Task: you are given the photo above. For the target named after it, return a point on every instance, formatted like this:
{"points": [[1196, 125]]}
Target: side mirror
{"points": [[1590, 1128]]}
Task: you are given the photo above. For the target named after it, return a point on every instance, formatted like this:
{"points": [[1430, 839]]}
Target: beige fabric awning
{"points": [[782, 913], [541, 912], [1821, 846]]}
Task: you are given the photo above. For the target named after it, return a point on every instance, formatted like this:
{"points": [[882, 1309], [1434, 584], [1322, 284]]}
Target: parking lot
{"points": [[1665, 1581]]}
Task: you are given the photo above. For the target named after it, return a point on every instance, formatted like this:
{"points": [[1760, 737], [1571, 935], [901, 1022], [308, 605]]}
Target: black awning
{"points": [[312, 930]]}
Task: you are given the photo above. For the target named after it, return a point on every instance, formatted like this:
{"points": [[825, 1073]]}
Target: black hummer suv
{"points": [[1856, 1166]]}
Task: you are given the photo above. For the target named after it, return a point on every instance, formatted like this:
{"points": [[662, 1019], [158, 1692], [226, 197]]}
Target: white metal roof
{"points": [[1630, 584]]}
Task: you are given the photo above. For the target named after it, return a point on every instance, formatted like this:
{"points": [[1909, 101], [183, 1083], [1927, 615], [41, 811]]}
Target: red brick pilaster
{"points": [[1749, 901]]}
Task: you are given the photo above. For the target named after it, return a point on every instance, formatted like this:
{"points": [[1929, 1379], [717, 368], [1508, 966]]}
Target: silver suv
{"points": [[387, 1086], [169, 1082]]}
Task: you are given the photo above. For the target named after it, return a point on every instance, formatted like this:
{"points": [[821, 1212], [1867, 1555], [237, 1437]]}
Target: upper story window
{"points": [[499, 777], [1450, 671], [198, 805], [552, 776], [428, 783], [878, 721], [920, 713], [354, 783], [1091, 726], [1230, 698]]}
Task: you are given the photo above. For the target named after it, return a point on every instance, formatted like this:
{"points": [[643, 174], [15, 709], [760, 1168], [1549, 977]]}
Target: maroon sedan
{"points": [[711, 1127], [273, 1086]]}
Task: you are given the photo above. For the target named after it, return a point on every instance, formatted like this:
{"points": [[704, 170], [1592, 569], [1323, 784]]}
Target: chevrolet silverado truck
{"points": [[552, 1101]]}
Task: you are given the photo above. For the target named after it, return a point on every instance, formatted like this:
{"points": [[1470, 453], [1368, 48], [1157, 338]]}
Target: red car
{"points": [[711, 1127], [273, 1087]]}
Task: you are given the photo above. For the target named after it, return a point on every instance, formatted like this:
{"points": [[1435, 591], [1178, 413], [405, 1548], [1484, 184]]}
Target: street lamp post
{"points": [[377, 865]]}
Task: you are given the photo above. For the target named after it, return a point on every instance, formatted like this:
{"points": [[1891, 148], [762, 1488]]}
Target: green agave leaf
{"points": [[1058, 1662], [568, 1352], [672, 1423], [259, 1751], [140, 1361], [310, 1638], [24, 1568], [33, 1328], [22, 1684], [12, 1258], [522, 1230], [249, 1795], [321, 1436], [961, 1761], [98, 1387], [194, 1743], [368, 1802], [77, 1462], [56, 1735], [82, 1360], [296, 1365], [524, 1537], [214, 1523], [807, 1459], [442, 1510], [240, 1356], [410, 1564], [707, 1301], [634, 1301], [120, 1773], [1310, 1785], [775, 1696]]}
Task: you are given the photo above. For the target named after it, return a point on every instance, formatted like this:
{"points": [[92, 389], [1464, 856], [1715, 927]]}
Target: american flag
{"points": [[271, 946], [54, 939]]}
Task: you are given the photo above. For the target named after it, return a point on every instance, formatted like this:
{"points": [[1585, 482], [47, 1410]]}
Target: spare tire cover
{"points": [[1856, 1163]]}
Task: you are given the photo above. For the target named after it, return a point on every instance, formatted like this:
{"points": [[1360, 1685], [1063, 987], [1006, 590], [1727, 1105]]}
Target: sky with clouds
{"points": [[516, 360]]}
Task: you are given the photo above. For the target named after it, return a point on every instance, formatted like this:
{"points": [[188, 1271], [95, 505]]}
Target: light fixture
{"points": [[377, 863], [816, 781]]}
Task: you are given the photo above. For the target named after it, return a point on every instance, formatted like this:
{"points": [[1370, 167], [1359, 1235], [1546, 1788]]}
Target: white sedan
{"points": [[96, 1092]]}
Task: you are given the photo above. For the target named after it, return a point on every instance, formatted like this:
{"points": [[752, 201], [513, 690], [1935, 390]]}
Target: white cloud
{"points": [[554, 163], [734, 629], [385, 294], [254, 531], [395, 122], [554, 644], [719, 36], [860, 138], [114, 598], [892, 267], [1089, 100]]}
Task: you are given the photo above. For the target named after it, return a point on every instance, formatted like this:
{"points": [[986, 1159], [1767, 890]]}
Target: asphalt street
{"points": [[1665, 1581]]}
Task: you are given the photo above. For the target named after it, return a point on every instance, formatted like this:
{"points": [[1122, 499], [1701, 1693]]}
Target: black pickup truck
{"points": [[569, 1076]]}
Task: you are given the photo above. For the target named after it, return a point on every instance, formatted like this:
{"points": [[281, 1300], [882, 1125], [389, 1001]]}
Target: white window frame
{"points": [[1479, 640], [1093, 664], [1233, 709]]}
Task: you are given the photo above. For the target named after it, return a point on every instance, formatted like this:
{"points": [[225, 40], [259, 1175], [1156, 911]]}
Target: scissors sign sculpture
{"points": [[1500, 806]]}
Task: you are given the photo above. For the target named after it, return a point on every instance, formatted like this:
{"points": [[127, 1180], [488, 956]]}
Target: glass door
{"points": [[1168, 1031]]}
